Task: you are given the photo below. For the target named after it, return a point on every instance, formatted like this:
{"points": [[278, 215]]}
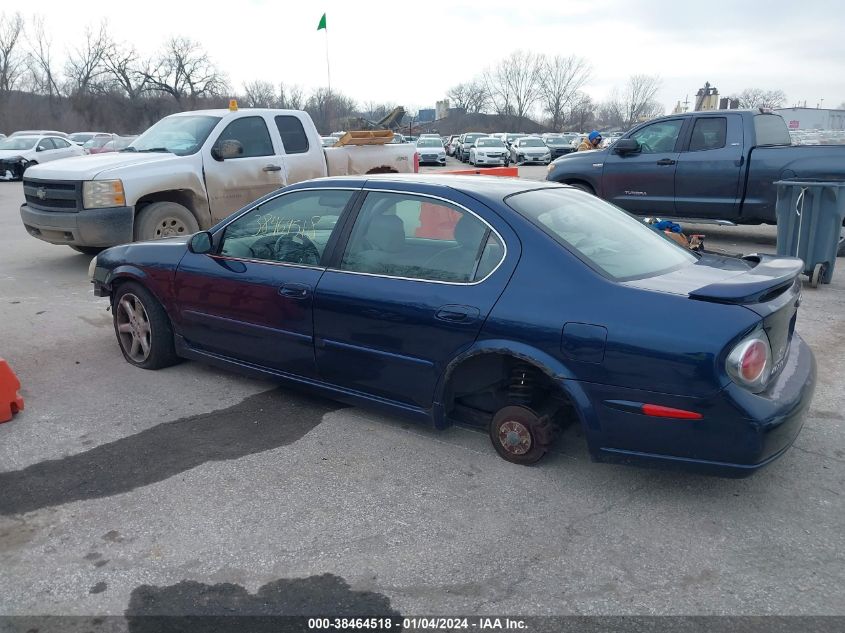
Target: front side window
{"points": [[294, 139], [607, 238], [401, 235], [251, 132], [708, 133], [658, 137], [293, 228]]}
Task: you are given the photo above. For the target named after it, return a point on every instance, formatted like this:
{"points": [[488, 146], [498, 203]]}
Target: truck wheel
{"points": [[519, 435], [143, 328], [164, 219], [87, 250]]}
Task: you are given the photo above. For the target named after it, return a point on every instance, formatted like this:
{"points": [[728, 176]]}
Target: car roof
{"points": [[492, 189]]}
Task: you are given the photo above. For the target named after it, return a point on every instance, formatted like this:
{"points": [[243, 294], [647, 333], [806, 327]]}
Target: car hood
{"points": [[96, 165], [12, 153], [593, 156]]}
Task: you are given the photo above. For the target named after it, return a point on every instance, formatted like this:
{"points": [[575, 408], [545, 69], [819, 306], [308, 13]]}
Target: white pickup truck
{"points": [[185, 173]]}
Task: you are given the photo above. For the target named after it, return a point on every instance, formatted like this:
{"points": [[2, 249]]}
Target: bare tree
{"points": [[328, 108], [636, 101], [375, 111], [11, 61], [259, 94], [184, 70], [40, 60], [581, 113], [560, 80], [291, 97], [759, 98], [126, 70], [514, 83], [85, 65], [472, 96]]}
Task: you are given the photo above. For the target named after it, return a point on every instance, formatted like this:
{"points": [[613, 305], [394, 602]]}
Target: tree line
{"points": [[104, 84]]}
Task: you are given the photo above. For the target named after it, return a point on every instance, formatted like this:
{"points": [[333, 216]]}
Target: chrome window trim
{"points": [[254, 207], [431, 281]]}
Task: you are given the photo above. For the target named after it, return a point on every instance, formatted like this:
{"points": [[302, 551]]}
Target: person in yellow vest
{"points": [[592, 141]]}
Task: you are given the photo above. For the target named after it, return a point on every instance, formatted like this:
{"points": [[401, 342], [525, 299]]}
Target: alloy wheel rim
{"points": [[515, 437], [133, 328]]}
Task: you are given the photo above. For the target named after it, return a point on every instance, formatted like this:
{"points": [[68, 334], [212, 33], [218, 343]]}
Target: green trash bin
{"points": [[809, 217]]}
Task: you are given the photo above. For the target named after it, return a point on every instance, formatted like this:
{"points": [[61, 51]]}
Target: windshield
{"points": [[181, 135], [19, 142], [81, 138], [97, 142], [429, 142], [532, 142], [490, 142], [620, 246], [556, 141]]}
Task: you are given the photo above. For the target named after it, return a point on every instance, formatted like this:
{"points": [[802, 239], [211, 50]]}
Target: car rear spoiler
{"points": [[769, 277]]}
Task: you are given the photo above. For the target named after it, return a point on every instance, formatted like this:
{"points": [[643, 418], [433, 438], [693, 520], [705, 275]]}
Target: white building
{"points": [[812, 118]]}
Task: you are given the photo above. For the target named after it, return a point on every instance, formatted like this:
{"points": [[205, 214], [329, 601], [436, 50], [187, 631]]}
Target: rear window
{"points": [[607, 238], [771, 129], [293, 135]]}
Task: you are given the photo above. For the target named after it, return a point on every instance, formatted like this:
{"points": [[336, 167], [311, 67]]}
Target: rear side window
{"points": [[771, 129], [45, 144], [607, 238], [708, 133], [251, 132], [292, 133]]}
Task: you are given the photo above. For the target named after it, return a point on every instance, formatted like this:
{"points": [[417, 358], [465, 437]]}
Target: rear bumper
{"points": [[91, 227], [739, 433]]}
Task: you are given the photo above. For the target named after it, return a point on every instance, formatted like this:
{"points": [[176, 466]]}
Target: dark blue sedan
{"points": [[513, 305]]}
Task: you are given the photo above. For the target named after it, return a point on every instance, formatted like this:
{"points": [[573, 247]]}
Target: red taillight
{"points": [[753, 361], [749, 363]]}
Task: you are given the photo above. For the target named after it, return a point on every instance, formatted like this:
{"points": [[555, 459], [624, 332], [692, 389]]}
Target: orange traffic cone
{"points": [[10, 399]]}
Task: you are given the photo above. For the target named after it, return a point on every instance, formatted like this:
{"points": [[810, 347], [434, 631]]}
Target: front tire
{"points": [[143, 328], [164, 219], [519, 435]]}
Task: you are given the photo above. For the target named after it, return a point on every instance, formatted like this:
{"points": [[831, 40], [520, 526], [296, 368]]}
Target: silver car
{"points": [[530, 149], [489, 151], [431, 150]]}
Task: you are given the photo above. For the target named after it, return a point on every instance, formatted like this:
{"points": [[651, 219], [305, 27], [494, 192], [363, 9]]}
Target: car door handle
{"points": [[272, 168], [457, 314], [666, 161], [295, 291]]}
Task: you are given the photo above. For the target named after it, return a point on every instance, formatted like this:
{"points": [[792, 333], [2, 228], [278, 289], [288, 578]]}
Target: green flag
{"points": [[322, 23]]}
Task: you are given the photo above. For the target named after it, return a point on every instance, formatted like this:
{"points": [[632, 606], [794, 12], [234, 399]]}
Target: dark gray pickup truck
{"points": [[715, 165]]}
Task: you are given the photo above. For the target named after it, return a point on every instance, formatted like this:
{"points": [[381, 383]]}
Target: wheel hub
{"points": [[170, 227], [515, 437]]}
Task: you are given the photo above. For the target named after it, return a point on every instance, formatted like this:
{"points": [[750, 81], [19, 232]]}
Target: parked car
{"points": [[337, 285], [529, 149], [489, 151], [558, 145], [95, 145], [430, 135], [19, 153], [452, 144], [116, 144], [511, 137], [80, 138], [718, 165], [431, 150], [187, 172], [397, 139], [465, 143]]}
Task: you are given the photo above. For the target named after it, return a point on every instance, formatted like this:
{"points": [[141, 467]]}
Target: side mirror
{"points": [[200, 243], [227, 149], [626, 146]]}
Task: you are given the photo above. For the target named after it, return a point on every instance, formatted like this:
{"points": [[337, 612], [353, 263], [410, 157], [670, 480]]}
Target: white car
{"points": [[40, 133], [80, 138], [530, 149], [431, 150], [18, 153], [489, 151]]}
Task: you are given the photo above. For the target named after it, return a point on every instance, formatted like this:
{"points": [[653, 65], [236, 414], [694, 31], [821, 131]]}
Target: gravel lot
{"points": [[124, 491]]}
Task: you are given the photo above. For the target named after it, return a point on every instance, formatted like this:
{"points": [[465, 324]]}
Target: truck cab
{"points": [[186, 173]]}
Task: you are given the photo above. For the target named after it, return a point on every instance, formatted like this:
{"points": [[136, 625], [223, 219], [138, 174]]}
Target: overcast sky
{"points": [[411, 53]]}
